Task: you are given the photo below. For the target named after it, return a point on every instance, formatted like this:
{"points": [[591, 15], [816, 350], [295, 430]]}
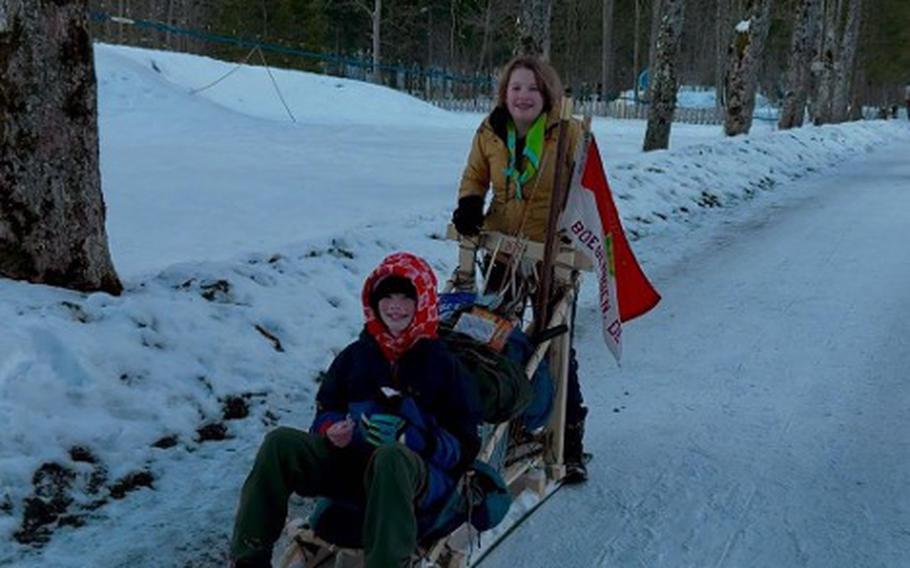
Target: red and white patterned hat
{"points": [[426, 316]]}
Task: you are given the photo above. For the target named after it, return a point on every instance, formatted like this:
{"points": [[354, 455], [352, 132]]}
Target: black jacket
{"points": [[445, 397]]}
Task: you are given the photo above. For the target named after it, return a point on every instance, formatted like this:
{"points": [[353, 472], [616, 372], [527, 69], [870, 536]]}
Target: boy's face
{"points": [[397, 312]]}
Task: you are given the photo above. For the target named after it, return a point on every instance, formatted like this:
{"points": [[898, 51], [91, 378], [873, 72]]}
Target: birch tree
{"points": [[823, 65], [534, 28], [487, 32], [722, 43], [606, 70], [375, 15], [846, 63], [51, 207], [636, 49], [376, 21], [664, 80], [796, 91], [745, 56], [656, 15]]}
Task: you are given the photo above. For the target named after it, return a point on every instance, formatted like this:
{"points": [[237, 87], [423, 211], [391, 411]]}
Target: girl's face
{"points": [[523, 97], [397, 312]]}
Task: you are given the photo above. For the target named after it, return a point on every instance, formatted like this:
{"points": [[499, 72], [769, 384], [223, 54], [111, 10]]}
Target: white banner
{"points": [[581, 222]]}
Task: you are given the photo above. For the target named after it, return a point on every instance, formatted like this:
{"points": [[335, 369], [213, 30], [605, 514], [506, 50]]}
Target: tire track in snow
{"points": [[731, 540]]}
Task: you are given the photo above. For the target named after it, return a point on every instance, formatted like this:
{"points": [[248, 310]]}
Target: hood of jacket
{"points": [[426, 316]]}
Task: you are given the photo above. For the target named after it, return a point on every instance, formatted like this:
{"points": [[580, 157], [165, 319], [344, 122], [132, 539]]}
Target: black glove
{"points": [[468, 217]]}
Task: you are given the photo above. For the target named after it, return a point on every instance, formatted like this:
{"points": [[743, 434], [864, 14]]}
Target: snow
{"points": [[704, 97], [243, 239]]}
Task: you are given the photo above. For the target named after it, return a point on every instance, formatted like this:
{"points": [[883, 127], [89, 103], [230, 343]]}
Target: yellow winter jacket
{"points": [[488, 161]]}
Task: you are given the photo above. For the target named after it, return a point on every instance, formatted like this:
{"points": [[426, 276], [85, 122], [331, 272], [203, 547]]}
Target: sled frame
{"points": [[567, 265]]}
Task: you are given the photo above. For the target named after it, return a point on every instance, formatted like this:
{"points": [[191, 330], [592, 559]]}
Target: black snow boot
{"points": [[575, 458]]}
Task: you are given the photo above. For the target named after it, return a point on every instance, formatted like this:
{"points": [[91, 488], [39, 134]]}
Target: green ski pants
{"points": [[295, 461]]}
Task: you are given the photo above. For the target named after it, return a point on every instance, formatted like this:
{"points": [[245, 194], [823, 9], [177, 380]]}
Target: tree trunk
{"points": [[107, 33], [430, 61], [169, 20], [664, 81], [607, 47], [534, 28], [571, 49], [846, 63], [636, 50], [823, 66], [655, 30], [796, 93], [51, 207], [453, 31], [376, 76], [745, 56], [856, 98], [485, 43], [121, 11], [722, 42]]}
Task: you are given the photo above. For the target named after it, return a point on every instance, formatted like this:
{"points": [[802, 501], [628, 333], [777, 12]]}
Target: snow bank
{"points": [[674, 185], [310, 97]]}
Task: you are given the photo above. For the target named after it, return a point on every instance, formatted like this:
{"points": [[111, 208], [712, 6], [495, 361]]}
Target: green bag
{"points": [[505, 391]]}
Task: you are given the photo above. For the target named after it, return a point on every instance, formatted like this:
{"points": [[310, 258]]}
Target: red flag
{"points": [[635, 293]]}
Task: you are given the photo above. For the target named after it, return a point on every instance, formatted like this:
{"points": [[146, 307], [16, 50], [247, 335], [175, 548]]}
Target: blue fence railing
{"points": [[392, 71]]}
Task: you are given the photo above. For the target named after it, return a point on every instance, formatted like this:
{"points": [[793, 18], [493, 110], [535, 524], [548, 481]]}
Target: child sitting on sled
{"points": [[395, 427]]}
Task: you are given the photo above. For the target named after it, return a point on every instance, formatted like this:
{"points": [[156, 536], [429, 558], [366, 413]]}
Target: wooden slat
{"points": [[490, 240], [559, 367]]}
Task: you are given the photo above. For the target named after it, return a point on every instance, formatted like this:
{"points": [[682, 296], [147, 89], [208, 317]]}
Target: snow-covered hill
{"points": [[243, 238]]}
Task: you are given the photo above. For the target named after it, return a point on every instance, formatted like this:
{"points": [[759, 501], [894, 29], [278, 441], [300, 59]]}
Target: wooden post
{"points": [[557, 202], [559, 368]]}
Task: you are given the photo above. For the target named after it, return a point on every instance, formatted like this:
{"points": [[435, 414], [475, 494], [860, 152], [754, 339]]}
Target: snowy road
{"points": [[762, 415]]}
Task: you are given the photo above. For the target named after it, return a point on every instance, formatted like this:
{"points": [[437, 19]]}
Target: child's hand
{"points": [[340, 433]]}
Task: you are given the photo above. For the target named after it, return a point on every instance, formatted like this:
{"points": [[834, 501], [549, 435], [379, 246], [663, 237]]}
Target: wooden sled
{"points": [[527, 461]]}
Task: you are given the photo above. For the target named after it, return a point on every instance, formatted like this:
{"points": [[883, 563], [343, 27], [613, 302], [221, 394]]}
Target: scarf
{"points": [[532, 152]]}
